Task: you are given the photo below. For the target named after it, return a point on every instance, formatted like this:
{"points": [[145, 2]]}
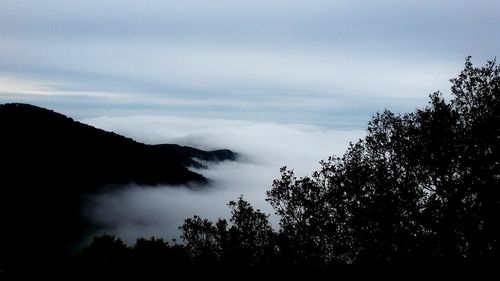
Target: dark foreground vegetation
{"points": [[419, 196]]}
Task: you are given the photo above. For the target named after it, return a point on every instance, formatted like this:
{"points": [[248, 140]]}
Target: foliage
{"points": [[422, 186], [245, 245]]}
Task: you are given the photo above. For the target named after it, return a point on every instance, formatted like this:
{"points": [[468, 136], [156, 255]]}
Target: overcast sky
{"points": [[328, 63]]}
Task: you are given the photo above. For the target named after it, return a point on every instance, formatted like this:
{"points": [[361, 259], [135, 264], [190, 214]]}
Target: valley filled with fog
{"points": [[135, 211]]}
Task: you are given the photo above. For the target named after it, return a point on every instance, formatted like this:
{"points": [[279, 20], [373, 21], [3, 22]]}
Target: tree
{"points": [[421, 186], [201, 240], [246, 245], [106, 257], [251, 237]]}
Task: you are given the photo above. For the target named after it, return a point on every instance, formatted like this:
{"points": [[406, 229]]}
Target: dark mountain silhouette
{"points": [[190, 156], [49, 160], [41, 145]]}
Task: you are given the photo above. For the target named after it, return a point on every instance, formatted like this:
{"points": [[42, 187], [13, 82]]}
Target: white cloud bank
{"points": [[265, 147]]}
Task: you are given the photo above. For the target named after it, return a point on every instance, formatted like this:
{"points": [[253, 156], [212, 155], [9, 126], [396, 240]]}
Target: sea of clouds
{"points": [[143, 211]]}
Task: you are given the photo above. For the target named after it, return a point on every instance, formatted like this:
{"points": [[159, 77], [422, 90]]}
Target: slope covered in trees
{"points": [[50, 147], [48, 161]]}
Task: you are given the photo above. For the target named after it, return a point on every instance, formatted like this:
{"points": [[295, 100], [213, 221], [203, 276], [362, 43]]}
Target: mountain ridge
{"points": [[35, 133], [50, 162]]}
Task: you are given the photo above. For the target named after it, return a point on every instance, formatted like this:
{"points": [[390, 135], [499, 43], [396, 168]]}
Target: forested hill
{"points": [[48, 161], [39, 145]]}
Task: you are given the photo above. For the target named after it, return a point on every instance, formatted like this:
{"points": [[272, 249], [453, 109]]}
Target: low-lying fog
{"points": [[143, 211]]}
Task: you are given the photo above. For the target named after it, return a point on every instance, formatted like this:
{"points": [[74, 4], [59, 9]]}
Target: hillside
{"points": [[39, 145], [48, 161]]}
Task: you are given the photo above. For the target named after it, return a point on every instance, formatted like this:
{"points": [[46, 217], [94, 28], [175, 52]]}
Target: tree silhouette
{"points": [[421, 186], [201, 239], [245, 246], [107, 257]]}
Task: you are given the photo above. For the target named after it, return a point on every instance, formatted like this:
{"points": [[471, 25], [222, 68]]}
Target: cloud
{"points": [[20, 87], [423, 23], [135, 211]]}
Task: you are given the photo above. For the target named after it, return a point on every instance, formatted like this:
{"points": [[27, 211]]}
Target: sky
{"points": [[329, 63], [280, 82]]}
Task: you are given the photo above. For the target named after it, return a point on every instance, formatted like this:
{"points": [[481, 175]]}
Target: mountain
{"points": [[49, 161], [191, 157], [40, 145]]}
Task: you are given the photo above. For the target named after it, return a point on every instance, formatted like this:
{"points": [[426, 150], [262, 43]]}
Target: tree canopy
{"points": [[420, 186]]}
